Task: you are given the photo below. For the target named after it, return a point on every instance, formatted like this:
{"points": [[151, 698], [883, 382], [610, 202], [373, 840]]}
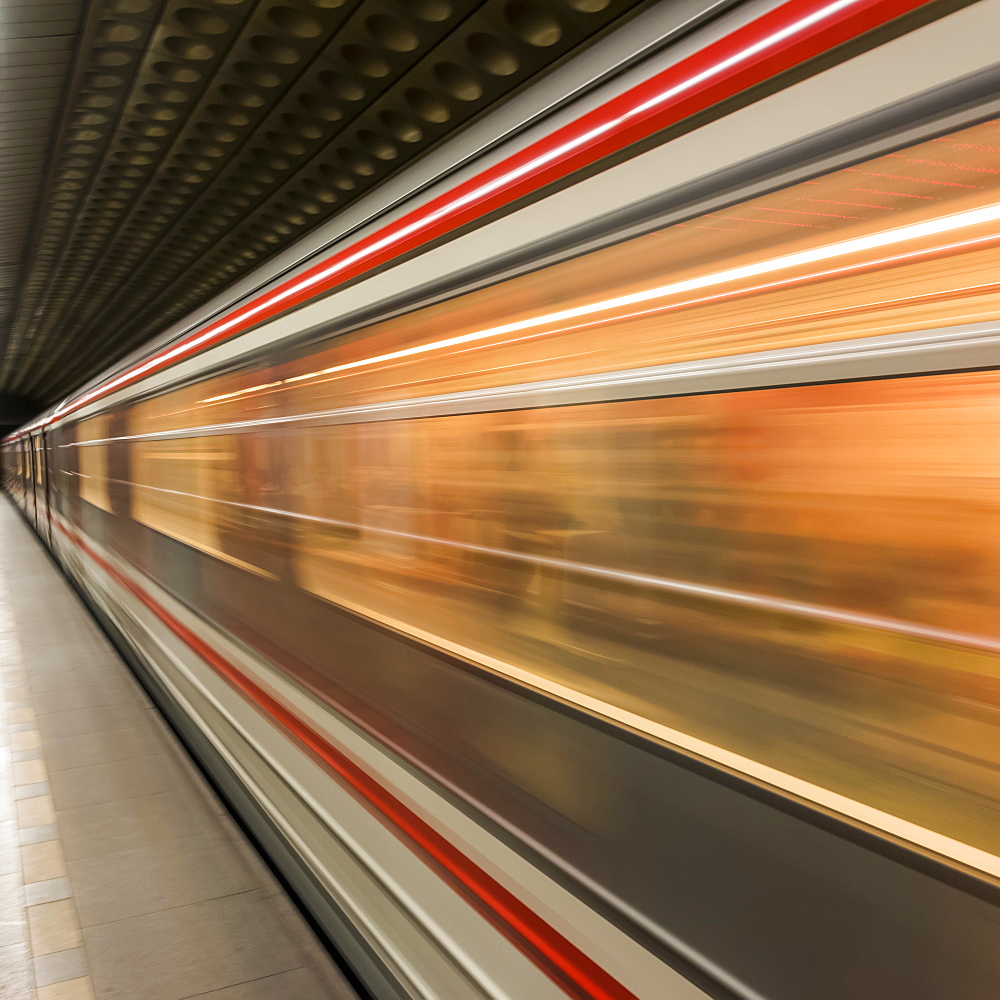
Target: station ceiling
{"points": [[153, 150]]}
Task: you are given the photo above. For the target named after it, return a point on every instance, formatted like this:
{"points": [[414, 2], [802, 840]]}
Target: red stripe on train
{"points": [[775, 42], [566, 965]]}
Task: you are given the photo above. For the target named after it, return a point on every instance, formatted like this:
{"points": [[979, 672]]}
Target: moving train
{"points": [[578, 562]]}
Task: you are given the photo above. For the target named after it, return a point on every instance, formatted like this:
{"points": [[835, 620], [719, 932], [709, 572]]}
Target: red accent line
{"points": [[770, 45], [566, 965]]}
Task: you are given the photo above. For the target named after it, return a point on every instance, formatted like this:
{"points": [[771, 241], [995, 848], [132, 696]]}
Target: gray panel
{"points": [[149, 878]]}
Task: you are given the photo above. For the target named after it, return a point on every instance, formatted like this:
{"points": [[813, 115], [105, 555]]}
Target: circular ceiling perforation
{"points": [[201, 137]]}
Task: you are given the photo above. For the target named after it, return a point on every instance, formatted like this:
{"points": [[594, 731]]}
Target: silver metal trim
{"points": [[956, 348]]}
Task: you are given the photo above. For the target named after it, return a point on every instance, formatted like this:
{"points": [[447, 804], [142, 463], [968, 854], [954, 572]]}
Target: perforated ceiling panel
{"points": [[199, 138], [36, 53]]}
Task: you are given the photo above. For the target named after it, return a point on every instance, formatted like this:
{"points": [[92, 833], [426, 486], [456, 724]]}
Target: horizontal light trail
{"points": [[904, 234], [787, 36], [852, 809], [683, 587], [657, 380], [664, 291]]}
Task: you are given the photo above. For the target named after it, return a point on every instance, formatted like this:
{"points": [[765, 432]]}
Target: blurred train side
{"points": [[650, 580]]}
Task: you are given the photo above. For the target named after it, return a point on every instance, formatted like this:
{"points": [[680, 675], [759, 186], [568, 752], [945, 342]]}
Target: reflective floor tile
{"points": [[147, 879], [109, 827], [53, 927], [74, 989], [60, 966], [37, 811], [115, 780], [299, 984], [42, 862], [189, 949]]}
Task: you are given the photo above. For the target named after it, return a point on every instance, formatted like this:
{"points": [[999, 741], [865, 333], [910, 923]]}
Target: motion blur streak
{"points": [[778, 40], [765, 570], [639, 579], [909, 233]]}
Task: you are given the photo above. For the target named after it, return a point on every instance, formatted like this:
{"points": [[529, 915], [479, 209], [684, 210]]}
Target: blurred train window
{"points": [[40, 462], [63, 457], [611, 546], [93, 461], [172, 481], [777, 491], [198, 488]]}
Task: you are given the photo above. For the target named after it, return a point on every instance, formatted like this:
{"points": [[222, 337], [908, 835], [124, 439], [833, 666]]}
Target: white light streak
{"points": [[683, 587], [477, 193], [903, 234]]}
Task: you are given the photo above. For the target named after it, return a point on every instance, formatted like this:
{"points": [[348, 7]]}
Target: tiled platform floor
{"points": [[121, 875]]}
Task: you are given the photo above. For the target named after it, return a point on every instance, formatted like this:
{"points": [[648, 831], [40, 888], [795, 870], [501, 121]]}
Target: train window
{"points": [[825, 542], [65, 459], [174, 481], [201, 489], [40, 461], [93, 461]]}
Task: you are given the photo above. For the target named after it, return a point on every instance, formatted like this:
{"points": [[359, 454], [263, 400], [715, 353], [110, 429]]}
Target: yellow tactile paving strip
{"points": [[49, 931]]}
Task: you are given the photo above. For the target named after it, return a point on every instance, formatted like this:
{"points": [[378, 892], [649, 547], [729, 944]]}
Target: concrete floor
{"points": [[121, 874]]}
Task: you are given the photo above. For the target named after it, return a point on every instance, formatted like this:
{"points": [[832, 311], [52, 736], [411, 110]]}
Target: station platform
{"points": [[121, 873]]}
